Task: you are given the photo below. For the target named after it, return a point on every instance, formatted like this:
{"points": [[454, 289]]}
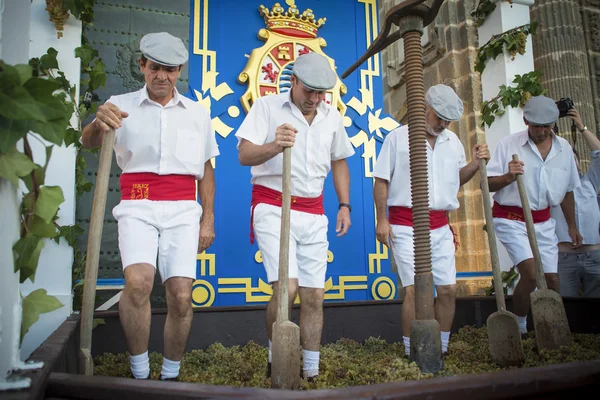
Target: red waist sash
{"points": [[437, 219], [403, 216], [262, 194], [150, 186], [515, 213]]}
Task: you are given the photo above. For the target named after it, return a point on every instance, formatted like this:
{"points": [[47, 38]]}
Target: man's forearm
{"points": [[380, 195], [341, 180], [568, 209], [206, 190], [499, 182], [591, 139], [92, 136], [251, 154], [467, 172]]}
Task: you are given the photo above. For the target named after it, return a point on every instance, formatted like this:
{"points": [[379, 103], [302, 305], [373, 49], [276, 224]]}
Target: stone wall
{"points": [[590, 23], [450, 50]]}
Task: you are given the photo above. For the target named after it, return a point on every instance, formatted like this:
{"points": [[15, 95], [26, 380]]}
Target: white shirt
{"points": [[175, 139], [444, 163], [546, 182], [587, 212], [316, 145]]}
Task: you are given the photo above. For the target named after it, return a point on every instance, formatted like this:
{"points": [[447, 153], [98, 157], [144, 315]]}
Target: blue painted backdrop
{"points": [[222, 35]]}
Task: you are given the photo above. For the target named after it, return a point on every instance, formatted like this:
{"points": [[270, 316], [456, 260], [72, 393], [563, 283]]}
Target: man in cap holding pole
{"points": [[164, 143], [300, 119], [550, 180], [447, 171]]}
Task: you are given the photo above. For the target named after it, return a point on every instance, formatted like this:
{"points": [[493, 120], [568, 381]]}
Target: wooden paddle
{"points": [[286, 334], [502, 326], [93, 253], [549, 316]]}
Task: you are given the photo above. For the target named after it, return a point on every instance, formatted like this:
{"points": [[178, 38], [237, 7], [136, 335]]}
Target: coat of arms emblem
{"points": [[288, 35]]}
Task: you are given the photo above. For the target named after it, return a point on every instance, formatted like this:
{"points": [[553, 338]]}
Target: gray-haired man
{"points": [[163, 144], [299, 119], [448, 170]]}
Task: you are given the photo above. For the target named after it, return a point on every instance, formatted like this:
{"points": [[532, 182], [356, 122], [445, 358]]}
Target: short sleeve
{"points": [[574, 180], [593, 174], [497, 166], [341, 147], [211, 149], [255, 127], [384, 165]]}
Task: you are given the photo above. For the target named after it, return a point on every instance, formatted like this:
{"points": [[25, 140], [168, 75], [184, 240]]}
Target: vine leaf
{"points": [[48, 202], [36, 303], [27, 254], [14, 165]]}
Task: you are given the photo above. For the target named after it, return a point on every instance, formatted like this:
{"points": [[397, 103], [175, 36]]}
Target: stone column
{"points": [[590, 15], [560, 53]]}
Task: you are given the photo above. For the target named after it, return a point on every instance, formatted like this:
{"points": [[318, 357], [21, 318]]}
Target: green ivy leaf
{"points": [[25, 72], [14, 165], [36, 303], [17, 103], [97, 76], [11, 131], [41, 228], [48, 202], [86, 53], [70, 233], [27, 254], [72, 136], [48, 60]]}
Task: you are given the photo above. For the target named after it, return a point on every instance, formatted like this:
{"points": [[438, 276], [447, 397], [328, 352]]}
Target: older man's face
{"points": [[160, 79], [435, 125], [305, 99], [539, 133]]}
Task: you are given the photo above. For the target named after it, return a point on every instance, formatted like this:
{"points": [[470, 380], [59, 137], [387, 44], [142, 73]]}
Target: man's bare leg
{"points": [[134, 314], [445, 307], [408, 316], [177, 325], [521, 293], [552, 281], [311, 328]]}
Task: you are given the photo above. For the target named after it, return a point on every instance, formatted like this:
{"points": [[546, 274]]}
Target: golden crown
{"points": [[291, 22]]}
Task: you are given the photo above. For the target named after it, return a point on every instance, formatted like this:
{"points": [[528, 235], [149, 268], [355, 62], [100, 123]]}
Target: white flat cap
{"points": [[445, 102], [314, 71], [540, 110], [164, 48]]}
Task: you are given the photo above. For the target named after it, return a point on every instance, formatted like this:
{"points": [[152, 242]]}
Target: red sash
{"points": [[262, 194], [516, 213], [150, 186], [437, 218]]}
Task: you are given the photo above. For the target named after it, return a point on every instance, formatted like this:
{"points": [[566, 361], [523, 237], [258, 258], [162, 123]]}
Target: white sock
{"points": [[406, 345], [522, 324], [170, 369], [445, 339], [140, 365], [270, 351], [311, 363]]}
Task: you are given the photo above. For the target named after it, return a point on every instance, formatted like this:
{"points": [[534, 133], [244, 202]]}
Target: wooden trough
{"points": [[238, 325]]}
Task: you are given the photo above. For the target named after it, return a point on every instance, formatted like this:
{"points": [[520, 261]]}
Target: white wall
{"points": [[54, 268]]}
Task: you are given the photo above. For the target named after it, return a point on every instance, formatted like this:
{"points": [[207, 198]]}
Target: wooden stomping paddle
{"points": [[549, 316], [502, 326], [286, 334], [93, 253]]}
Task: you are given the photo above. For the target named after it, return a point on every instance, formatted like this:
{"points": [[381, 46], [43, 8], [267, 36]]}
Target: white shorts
{"points": [[443, 263], [513, 236], [308, 244], [169, 229]]}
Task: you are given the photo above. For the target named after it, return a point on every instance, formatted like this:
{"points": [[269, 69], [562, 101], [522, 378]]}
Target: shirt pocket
{"points": [[188, 146], [451, 175], [557, 183], [324, 151]]}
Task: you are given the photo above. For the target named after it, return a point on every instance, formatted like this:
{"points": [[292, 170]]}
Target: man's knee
{"points": [[527, 272], [446, 292], [139, 279], [552, 281], [179, 295], [311, 298], [292, 291]]}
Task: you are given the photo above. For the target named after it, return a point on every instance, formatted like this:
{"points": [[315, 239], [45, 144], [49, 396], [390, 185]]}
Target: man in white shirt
{"points": [[299, 119], [447, 171], [550, 178], [580, 267], [164, 143]]}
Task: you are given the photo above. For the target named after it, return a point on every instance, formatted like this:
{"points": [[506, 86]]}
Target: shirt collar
{"points": [[524, 138], [177, 98]]}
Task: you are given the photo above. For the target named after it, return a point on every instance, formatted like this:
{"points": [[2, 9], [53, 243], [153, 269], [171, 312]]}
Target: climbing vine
{"points": [[513, 41], [508, 280], [527, 86], [484, 8]]}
